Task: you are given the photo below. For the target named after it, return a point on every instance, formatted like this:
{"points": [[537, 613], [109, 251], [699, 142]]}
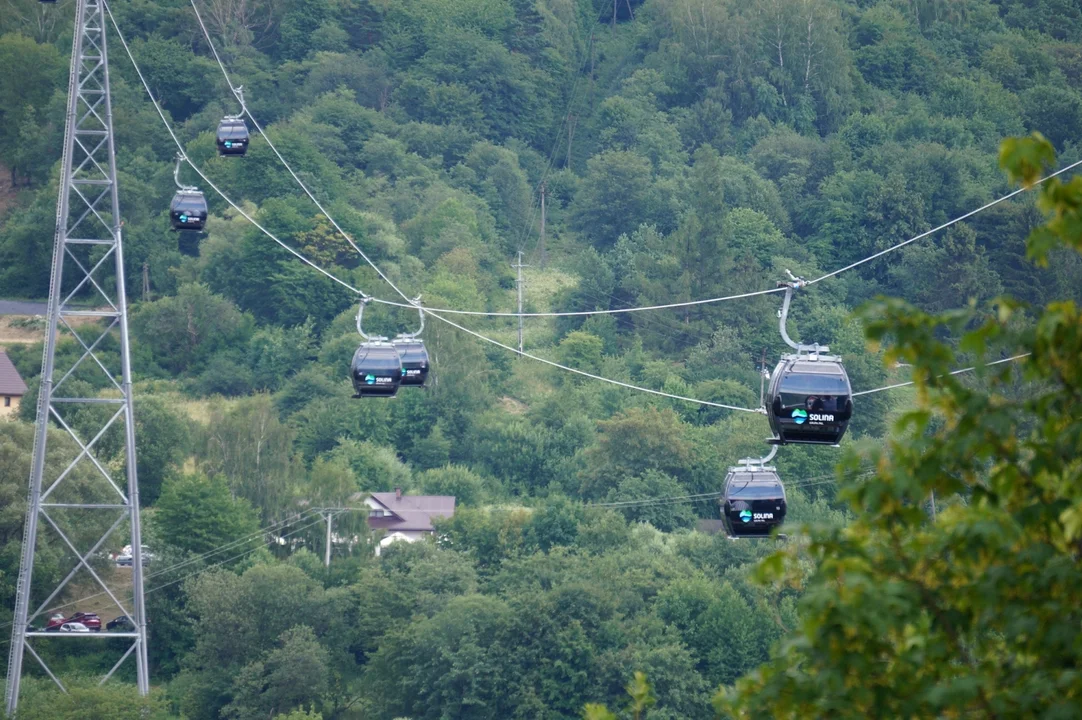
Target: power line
{"points": [[196, 558]]}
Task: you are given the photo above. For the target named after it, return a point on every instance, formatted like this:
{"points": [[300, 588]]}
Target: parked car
{"points": [[121, 624], [74, 627], [91, 620], [124, 559], [55, 621]]}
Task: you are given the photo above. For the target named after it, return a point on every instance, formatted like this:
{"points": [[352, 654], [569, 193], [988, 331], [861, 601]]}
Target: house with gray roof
{"points": [[406, 518], [12, 387]]}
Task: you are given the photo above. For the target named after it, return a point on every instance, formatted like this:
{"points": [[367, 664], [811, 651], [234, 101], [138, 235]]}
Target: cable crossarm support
{"points": [[895, 386], [239, 93]]}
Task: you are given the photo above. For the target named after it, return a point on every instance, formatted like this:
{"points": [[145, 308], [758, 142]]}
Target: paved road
{"points": [[18, 307]]}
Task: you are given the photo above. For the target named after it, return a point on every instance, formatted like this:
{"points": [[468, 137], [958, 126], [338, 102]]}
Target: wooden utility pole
{"points": [[327, 550], [570, 136], [518, 266], [541, 244]]}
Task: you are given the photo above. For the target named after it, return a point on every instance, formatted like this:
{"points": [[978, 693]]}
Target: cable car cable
{"points": [[947, 224], [436, 312], [953, 372], [479, 336], [364, 295], [349, 239]]}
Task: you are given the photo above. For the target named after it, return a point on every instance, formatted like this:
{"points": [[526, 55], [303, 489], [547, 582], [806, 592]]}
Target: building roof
{"points": [[412, 512], [10, 381]]}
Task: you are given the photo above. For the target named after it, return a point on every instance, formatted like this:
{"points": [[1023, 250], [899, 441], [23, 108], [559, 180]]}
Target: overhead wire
{"points": [[953, 372], [947, 224], [410, 304], [699, 497]]}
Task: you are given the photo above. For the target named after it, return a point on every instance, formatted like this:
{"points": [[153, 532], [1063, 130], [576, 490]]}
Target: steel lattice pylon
{"points": [[82, 497]]}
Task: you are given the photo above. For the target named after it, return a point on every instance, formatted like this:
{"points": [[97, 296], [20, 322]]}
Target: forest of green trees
{"points": [[688, 149]]}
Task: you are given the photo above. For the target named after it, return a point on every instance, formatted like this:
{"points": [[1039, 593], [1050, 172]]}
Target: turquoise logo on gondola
{"points": [[184, 218], [370, 379], [745, 516], [800, 416]]}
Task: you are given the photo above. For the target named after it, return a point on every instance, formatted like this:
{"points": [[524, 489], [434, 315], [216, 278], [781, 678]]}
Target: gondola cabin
{"points": [[376, 370], [754, 502], [811, 400], [414, 362], [188, 211], [232, 136]]}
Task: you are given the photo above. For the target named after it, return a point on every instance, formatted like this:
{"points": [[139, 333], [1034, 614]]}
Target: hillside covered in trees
{"points": [[685, 149]]}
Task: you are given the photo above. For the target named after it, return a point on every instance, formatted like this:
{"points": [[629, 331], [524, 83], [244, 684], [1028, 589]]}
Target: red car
{"points": [[55, 621], [91, 620]]}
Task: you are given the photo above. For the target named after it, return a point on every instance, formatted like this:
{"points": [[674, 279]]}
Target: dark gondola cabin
{"points": [[232, 136], [754, 502], [811, 400], [414, 362], [188, 211], [376, 370]]}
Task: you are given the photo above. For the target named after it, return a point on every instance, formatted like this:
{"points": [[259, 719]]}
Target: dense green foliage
{"points": [[687, 151], [976, 613]]}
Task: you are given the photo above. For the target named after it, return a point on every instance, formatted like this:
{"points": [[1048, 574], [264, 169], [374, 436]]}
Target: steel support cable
{"points": [[288, 167], [679, 499], [184, 155], [583, 373], [947, 224], [435, 312], [953, 372], [360, 292]]}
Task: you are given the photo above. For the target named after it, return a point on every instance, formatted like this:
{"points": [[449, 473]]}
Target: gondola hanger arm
{"points": [[360, 328], [415, 302], [181, 158], [783, 316]]}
